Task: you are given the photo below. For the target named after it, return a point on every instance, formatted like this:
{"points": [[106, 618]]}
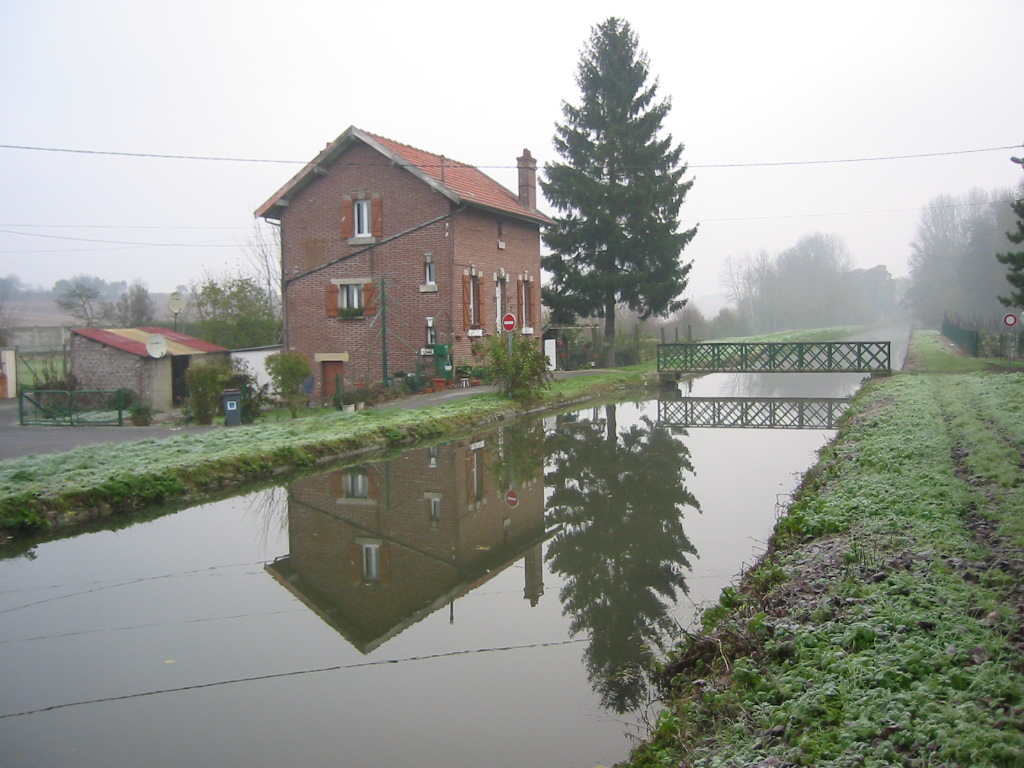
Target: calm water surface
{"points": [[483, 602]]}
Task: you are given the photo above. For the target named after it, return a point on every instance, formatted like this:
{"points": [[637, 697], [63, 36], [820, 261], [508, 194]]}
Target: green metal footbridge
{"points": [[753, 413], [775, 357]]}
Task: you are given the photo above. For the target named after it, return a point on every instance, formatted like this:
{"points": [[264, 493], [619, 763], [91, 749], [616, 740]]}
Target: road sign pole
{"points": [[508, 324]]}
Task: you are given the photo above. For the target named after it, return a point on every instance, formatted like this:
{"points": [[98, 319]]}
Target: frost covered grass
{"points": [[883, 627], [56, 489]]}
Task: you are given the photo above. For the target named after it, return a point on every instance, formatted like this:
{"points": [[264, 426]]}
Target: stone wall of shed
{"points": [[98, 366]]}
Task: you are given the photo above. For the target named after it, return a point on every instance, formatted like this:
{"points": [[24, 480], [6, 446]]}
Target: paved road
{"points": [[16, 440]]}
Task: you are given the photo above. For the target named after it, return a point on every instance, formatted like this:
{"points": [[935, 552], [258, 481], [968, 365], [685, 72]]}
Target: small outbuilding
{"points": [[151, 361]]}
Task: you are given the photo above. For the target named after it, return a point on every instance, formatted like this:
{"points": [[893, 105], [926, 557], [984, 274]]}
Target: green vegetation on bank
{"points": [[883, 626], [56, 489]]}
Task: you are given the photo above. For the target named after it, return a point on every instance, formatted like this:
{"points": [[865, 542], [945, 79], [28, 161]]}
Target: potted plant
{"points": [[140, 414]]}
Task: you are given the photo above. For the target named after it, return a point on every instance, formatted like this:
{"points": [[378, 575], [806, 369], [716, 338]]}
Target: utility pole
{"points": [[384, 330]]}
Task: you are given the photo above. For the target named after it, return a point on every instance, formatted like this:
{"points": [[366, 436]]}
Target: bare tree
{"points": [[263, 257], [135, 307], [10, 317], [82, 298]]}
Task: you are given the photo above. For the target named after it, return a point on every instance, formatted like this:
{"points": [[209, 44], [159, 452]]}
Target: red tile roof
{"points": [[459, 182], [133, 340]]}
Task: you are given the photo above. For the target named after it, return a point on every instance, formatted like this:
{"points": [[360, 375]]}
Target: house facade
{"points": [[373, 549], [391, 253]]}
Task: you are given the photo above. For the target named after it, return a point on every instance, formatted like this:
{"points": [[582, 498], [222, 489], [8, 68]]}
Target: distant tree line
{"points": [[954, 269], [811, 285], [234, 311]]}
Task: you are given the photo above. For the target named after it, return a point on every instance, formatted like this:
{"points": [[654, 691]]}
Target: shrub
{"points": [[524, 373], [287, 371], [205, 384]]}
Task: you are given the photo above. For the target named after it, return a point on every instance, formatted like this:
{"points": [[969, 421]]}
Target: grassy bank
{"points": [[54, 490], [884, 625], [38, 492]]}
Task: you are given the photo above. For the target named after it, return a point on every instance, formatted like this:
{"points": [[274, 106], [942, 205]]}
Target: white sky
{"points": [[750, 82]]}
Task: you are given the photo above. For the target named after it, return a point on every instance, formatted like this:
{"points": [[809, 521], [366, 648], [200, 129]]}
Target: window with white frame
{"points": [[429, 271], [362, 218], [431, 332], [474, 301], [500, 299], [371, 561], [527, 319], [350, 296], [434, 510], [356, 485]]}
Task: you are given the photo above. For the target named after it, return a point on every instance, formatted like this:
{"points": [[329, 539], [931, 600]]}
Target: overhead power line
{"points": [[213, 158], [207, 244]]}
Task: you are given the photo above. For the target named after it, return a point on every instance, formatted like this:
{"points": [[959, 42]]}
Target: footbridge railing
{"points": [[776, 357], [753, 413]]}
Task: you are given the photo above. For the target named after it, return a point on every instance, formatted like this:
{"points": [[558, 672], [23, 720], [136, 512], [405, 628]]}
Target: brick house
{"points": [[373, 549], [124, 358], [388, 250]]}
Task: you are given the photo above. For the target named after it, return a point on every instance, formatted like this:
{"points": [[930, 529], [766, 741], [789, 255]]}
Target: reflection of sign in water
{"points": [[374, 549], [753, 413], [512, 498]]}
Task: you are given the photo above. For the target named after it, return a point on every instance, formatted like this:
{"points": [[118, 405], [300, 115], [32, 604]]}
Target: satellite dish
{"points": [[175, 302], [156, 345]]}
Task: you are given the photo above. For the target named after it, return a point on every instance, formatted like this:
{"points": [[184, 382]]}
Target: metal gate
{"points": [[62, 408]]}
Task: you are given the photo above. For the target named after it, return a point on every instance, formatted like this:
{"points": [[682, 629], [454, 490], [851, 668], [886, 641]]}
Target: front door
{"points": [[333, 378]]}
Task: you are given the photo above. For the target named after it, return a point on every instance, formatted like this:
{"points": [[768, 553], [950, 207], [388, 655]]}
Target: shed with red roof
{"points": [[150, 361]]}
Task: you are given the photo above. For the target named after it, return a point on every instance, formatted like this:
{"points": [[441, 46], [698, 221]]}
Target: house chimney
{"points": [[527, 180]]}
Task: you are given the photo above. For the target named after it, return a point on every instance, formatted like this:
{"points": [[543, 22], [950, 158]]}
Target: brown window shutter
{"points": [[520, 288], [370, 299], [331, 293], [377, 216], [347, 223], [373, 482], [355, 556], [480, 314], [337, 484], [486, 481], [466, 288]]}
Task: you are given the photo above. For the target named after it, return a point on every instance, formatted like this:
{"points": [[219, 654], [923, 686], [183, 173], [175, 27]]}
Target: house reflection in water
{"points": [[375, 548]]}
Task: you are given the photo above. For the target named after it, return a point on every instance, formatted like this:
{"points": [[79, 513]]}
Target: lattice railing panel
{"points": [[777, 357], [753, 413]]}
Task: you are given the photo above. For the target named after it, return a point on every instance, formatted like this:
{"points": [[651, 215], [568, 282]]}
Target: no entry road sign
{"points": [[508, 322]]}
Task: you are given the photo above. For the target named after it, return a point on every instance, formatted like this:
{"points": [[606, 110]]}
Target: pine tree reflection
{"points": [[622, 549]]}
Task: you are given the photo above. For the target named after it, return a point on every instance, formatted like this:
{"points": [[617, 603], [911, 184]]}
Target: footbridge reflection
{"points": [[753, 412]]}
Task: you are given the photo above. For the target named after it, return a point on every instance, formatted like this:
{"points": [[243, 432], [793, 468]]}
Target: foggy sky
{"points": [[784, 83]]}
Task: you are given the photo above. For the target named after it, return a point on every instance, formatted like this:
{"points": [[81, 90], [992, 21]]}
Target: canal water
{"points": [[489, 601]]}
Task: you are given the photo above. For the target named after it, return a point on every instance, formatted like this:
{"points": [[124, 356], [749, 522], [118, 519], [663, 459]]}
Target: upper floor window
{"points": [[361, 219], [527, 302], [348, 298], [472, 303], [429, 272], [500, 299]]}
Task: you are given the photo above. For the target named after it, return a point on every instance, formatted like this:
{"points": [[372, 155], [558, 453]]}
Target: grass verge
{"points": [[884, 625], [54, 490]]}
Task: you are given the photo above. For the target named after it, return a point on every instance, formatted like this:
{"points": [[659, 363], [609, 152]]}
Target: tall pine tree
{"points": [[618, 190], [1015, 260]]}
